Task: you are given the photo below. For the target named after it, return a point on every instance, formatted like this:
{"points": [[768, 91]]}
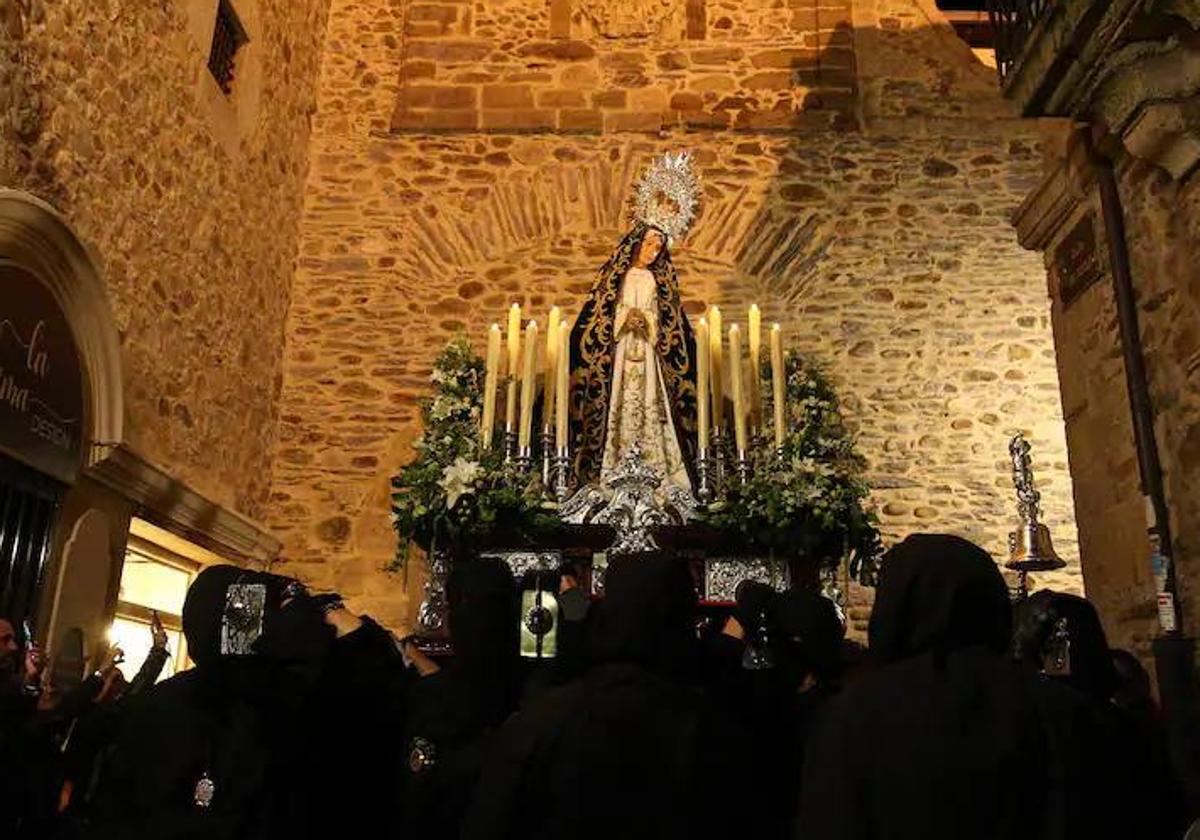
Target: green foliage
{"points": [[453, 490], [810, 499]]}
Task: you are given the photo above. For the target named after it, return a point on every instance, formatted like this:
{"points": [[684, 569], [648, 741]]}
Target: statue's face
{"points": [[651, 247]]}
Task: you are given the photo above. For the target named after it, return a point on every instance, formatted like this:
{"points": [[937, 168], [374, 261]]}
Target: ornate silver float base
{"points": [[431, 614], [523, 562], [723, 574], [631, 501], [831, 588]]}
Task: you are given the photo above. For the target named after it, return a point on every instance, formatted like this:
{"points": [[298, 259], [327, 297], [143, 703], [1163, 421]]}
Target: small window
{"points": [[228, 37], [153, 580]]}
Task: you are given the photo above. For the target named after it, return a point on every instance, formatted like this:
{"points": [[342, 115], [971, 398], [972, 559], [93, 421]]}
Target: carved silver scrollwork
{"points": [[431, 615], [723, 574], [831, 588], [523, 562], [631, 501]]}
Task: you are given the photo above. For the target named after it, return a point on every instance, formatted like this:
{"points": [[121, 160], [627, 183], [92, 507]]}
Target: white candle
{"points": [[703, 351], [487, 426], [716, 337], [514, 359], [528, 385], [563, 391], [777, 378], [551, 377], [735, 384], [755, 366]]}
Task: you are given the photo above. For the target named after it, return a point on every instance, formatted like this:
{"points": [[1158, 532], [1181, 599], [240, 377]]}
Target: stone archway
{"points": [[35, 237]]}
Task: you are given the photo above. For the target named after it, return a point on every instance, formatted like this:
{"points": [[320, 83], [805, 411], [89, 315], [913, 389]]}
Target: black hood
{"points": [[811, 634], [648, 614], [936, 594], [484, 615], [1091, 663], [481, 596], [295, 634]]}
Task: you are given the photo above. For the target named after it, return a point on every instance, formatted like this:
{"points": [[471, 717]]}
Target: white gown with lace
{"points": [[638, 406]]}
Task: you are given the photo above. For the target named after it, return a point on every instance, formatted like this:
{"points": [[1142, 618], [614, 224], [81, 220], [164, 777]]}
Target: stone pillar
{"points": [[1062, 219]]}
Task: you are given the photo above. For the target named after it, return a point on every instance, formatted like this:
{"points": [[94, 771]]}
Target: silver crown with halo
{"points": [[668, 195]]}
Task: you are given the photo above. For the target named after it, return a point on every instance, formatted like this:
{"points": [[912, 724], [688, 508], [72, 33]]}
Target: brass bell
{"points": [[1030, 549]]}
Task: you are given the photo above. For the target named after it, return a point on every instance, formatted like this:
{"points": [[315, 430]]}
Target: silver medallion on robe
{"points": [[205, 789]]}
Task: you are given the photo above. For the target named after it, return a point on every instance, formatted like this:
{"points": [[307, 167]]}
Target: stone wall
{"points": [[1163, 231], [1108, 502], [869, 216], [189, 199]]}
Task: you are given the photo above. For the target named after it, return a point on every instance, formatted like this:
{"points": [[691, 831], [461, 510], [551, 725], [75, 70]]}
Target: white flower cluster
{"points": [[458, 479]]}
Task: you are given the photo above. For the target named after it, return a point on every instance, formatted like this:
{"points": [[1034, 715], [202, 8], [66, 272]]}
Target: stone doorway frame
{"points": [[37, 238]]}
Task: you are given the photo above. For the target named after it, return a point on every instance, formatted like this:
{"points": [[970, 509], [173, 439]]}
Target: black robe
{"points": [[948, 738], [614, 753], [457, 711], [758, 721], [284, 734]]}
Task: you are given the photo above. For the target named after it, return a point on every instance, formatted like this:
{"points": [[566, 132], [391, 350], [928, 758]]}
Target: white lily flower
{"points": [[458, 479]]}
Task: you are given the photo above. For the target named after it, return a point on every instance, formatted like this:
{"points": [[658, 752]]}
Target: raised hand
{"points": [[157, 633], [35, 664]]}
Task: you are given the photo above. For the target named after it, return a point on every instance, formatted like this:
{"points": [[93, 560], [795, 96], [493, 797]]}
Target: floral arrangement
{"points": [[809, 499], [454, 490]]}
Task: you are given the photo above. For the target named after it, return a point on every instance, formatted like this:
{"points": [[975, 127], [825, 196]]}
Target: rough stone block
{"points": [[561, 99], [673, 60], [792, 58], [610, 99], [523, 119], [449, 51], [557, 50], [779, 80], [560, 18], [716, 56], [685, 101], [446, 120], [507, 96], [645, 121], [576, 119], [418, 70], [437, 96]]}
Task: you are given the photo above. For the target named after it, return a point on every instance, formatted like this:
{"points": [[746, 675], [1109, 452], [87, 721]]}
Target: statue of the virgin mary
{"points": [[633, 353]]}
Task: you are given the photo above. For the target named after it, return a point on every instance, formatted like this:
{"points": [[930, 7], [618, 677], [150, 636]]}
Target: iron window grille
{"points": [[1013, 21], [229, 36]]}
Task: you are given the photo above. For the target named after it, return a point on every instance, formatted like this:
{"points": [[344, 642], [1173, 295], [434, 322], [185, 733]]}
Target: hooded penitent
{"points": [[948, 738], [614, 753], [293, 634], [457, 710], [937, 594], [1066, 628], [646, 617], [593, 342], [232, 721], [809, 635]]}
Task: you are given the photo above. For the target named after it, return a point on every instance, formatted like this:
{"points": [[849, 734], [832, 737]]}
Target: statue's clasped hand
{"points": [[636, 324]]}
